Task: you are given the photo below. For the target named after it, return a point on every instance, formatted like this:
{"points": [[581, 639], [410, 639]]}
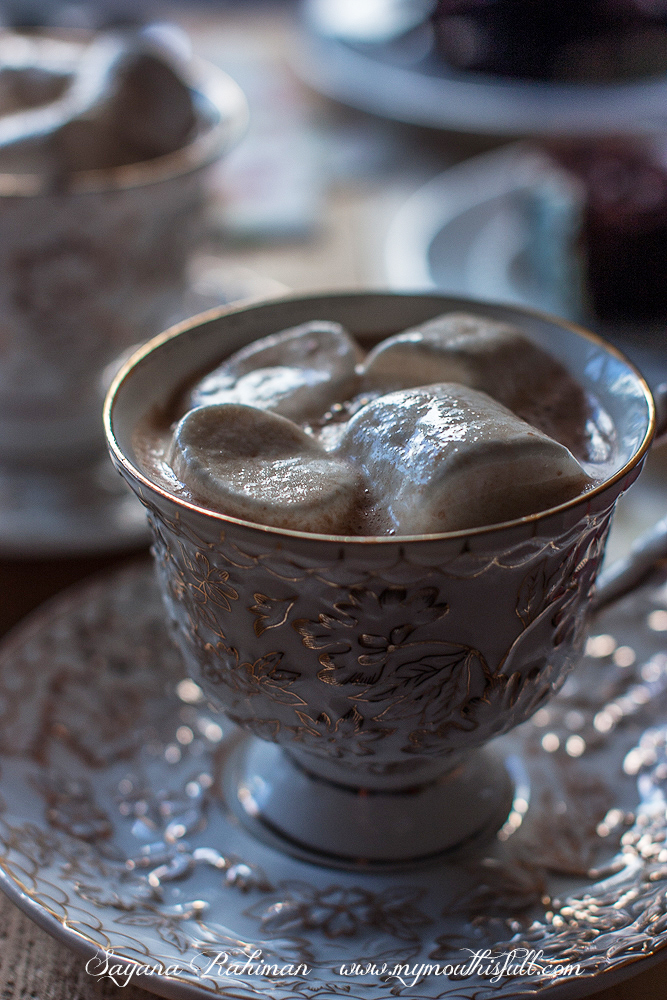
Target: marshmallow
{"points": [[495, 358], [126, 102], [261, 467], [297, 373], [447, 458]]}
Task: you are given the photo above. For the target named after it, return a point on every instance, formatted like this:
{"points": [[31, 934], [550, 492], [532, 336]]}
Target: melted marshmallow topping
{"points": [[440, 428], [261, 467], [296, 373], [493, 357], [445, 457]]}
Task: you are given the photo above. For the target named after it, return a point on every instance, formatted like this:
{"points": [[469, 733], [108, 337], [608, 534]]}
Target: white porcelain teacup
{"points": [[369, 671], [88, 269]]}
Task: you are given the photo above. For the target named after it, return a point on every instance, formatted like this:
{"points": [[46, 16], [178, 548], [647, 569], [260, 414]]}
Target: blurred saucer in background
{"points": [[396, 73], [475, 230], [87, 509]]}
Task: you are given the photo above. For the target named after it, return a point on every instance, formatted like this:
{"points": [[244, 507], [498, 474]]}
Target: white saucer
{"points": [[403, 80], [88, 509], [114, 835], [467, 232]]}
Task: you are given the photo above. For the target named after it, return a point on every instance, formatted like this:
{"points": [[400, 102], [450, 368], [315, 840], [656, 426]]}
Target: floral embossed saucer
{"points": [[115, 836]]}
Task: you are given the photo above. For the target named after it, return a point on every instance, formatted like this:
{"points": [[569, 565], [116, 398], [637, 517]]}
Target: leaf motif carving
{"points": [[339, 912], [390, 617], [532, 594], [270, 612], [266, 729], [434, 687], [221, 666], [167, 929]]}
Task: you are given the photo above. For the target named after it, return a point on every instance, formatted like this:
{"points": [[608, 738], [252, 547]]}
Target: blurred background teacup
{"points": [[368, 670], [91, 261]]}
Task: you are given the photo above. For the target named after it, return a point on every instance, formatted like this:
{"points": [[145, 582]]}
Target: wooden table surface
{"points": [[343, 251]]}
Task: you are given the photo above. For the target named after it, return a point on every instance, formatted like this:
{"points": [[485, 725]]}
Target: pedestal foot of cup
{"points": [[343, 825]]}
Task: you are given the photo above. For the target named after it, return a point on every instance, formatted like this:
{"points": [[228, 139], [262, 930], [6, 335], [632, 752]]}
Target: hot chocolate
{"points": [[459, 423]]}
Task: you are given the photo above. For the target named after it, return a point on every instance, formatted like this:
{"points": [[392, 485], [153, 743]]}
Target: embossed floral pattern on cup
{"points": [[373, 674]]}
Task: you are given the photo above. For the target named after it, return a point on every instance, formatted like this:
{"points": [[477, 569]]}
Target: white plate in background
{"points": [[402, 80], [467, 232]]}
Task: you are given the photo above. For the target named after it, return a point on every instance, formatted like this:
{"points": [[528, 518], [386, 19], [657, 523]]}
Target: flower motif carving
{"points": [[346, 737], [360, 657], [169, 927], [70, 806], [375, 652], [266, 729], [64, 837], [562, 590], [220, 665], [342, 912], [205, 590], [83, 293], [98, 725]]}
